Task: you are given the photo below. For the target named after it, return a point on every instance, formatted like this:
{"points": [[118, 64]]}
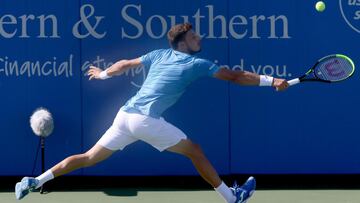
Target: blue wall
{"points": [[311, 128]]}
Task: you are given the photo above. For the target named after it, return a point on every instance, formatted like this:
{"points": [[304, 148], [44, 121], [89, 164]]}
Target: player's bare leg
{"points": [[195, 154], [94, 155], [206, 170], [203, 166]]}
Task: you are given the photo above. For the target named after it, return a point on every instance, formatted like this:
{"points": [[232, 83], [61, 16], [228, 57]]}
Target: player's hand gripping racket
{"points": [[332, 68]]}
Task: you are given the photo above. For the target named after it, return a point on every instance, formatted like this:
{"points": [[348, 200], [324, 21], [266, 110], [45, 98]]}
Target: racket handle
{"points": [[294, 81]]}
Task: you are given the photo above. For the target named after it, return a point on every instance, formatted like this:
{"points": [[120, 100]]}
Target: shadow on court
{"points": [[271, 189], [121, 193]]}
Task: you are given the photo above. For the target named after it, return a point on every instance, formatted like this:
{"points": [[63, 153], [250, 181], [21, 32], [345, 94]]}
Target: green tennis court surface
{"points": [[191, 196]]}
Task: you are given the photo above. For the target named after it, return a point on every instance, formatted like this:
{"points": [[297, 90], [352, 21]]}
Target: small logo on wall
{"points": [[350, 10]]}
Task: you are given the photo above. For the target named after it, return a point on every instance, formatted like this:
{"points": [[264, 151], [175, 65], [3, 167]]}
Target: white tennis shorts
{"points": [[128, 128]]}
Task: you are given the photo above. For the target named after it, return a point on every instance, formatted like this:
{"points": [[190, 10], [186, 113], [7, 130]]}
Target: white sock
{"points": [[226, 193], [45, 177]]}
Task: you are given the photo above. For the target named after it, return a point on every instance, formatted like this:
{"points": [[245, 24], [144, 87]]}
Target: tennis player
{"points": [[170, 72]]}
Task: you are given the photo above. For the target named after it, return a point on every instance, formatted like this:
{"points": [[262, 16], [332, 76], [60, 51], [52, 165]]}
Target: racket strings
{"points": [[334, 69]]}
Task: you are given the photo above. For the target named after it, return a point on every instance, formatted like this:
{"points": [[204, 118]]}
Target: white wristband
{"points": [[266, 80], [103, 75]]}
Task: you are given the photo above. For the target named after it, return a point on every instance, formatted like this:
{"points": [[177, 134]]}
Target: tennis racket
{"points": [[332, 68]]}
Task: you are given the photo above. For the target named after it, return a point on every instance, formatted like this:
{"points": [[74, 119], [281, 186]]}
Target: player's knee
{"points": [[195, 151], [88, 160]]}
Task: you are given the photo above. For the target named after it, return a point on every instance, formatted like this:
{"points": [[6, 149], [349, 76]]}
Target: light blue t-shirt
{"points": [[170, 72]]}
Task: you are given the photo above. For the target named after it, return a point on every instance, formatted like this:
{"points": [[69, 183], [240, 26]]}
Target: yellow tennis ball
{"points": [[320, 6]]}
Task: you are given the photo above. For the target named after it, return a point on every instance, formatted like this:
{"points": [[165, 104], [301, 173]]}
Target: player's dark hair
{"points": [[177, 34]]}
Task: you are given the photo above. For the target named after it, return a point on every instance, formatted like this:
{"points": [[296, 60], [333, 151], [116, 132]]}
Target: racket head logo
{"points": [[334, 68], [350, 11]]}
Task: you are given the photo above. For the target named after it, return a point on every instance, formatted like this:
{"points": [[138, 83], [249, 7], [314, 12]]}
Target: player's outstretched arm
{"points": [[116, 69], [248, 78]]}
